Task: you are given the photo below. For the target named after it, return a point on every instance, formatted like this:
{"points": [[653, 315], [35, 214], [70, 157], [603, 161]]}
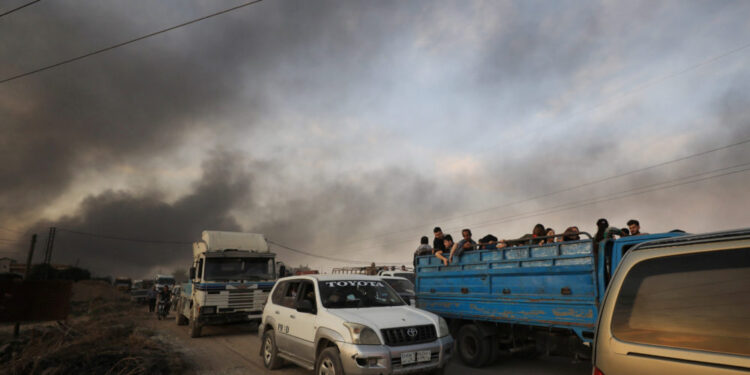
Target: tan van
{"points": [[678, 306]]}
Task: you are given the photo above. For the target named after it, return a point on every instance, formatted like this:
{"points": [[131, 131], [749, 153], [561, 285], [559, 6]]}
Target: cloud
{"points": [[225, 184]]}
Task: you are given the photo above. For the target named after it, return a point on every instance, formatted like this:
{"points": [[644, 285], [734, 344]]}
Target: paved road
{"points": [[233, 350]]}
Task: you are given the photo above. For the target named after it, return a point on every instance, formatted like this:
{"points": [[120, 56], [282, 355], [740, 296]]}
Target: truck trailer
{"points": [[230, 278]]}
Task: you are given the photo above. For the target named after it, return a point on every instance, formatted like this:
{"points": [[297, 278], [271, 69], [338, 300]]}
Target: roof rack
{"points": [[729, 235]]}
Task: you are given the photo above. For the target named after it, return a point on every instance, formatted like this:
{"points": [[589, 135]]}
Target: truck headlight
{"points": [[362, 334], [443, 329]]}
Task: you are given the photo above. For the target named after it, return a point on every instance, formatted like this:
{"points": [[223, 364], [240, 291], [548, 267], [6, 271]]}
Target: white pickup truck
{"points": [[350, 324]]}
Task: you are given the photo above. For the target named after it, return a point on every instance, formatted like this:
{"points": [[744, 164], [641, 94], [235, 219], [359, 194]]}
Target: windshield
{"points": [[341, 294], [165, 280], [407, 275], [401, 286], [239, 269]]}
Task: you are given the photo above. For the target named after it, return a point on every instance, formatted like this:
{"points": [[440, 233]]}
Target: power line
{"points": [[19, 8], [629, 193], [647, 84], [129, 239], [127, 42], [327, 257], [13, 230], [619, 195], [564, 190]]}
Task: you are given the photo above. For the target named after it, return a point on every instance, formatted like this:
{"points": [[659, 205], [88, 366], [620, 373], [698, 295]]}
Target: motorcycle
{"points": [[162, 309]]}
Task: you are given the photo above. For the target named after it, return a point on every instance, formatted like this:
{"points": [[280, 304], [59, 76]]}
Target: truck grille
{"points": [[400, 336], [246, 299]]}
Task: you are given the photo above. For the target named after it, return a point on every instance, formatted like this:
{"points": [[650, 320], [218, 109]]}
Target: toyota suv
{"points": [[678, 306], [350, 324]]}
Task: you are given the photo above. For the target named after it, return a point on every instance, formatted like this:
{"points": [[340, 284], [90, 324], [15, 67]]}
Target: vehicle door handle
{"points": [[277, 313], [291, 316]]}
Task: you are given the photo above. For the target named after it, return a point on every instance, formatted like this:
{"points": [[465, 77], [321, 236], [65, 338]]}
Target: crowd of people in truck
{"points": [[445, 248]]}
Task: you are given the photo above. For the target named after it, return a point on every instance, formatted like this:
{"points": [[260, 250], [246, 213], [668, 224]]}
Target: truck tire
{"points": [[474, 349], [270, 352], [180, 319], [195, 326], [329, 362]]}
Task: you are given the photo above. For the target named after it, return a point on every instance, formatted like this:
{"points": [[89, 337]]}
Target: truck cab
{"points": [[230, 278]]}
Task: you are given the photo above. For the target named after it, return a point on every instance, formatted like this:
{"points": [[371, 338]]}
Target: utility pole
{"points": [[17, 327], [50, 245]]}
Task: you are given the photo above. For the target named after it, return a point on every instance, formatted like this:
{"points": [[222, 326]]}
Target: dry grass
{"points": [[101, 338]]}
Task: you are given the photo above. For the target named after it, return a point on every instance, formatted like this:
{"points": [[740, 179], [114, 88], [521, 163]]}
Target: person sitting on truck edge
{"points": [[437, 242], [601, 226], [551, 234], [635, 228], [488, 242], [625, 232], [571, 234], [466, 244], [530, 238], [447, 244], [423, 249]]}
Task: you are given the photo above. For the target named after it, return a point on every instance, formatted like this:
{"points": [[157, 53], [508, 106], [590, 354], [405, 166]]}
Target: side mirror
{"points": [[192, 273], [305, 306]]}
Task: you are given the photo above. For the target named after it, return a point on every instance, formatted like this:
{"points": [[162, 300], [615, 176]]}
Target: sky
{"points": [[349, 129]]}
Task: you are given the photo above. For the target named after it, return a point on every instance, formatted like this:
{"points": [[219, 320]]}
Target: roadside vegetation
{"points": [[101, 336]]}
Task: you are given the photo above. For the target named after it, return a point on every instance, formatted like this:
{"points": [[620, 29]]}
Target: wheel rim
{"points": [[267, 350], [326, 367]]}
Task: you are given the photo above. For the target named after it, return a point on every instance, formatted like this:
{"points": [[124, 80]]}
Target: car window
{"points": [[278, 293], [307, 292], [400, 285], [290, 296], [694, 301]]}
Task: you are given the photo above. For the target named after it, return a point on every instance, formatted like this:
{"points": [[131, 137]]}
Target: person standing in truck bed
{"points": [[423, 249], [466, 244]]}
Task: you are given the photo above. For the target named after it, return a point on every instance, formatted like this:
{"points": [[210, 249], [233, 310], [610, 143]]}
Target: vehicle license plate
{"points": [[420, 356]]}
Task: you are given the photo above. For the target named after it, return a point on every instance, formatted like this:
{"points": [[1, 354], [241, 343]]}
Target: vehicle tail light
{"points": [[596, 371]]}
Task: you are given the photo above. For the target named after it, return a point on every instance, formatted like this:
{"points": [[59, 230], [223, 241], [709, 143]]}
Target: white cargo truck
{"points": [[231, 276]]}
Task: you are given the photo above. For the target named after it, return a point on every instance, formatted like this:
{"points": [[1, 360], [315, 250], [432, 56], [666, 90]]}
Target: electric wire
{"points": [[556, 192], [120, 238], [12, 230], [19, 8], [80, 57], [571, 205], [169, 242], [563, 207], [327, 257]]}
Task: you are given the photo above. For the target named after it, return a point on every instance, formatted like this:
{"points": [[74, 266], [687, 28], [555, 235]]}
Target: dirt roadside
{"points": [[223, 350], [234, 350]]}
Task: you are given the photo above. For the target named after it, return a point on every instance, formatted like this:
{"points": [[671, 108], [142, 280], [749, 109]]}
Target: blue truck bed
{"points": [[550, 285], [556, 285]]}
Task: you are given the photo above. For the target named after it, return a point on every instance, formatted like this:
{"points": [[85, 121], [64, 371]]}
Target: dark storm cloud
{"points": [[140, 101], [226, 183]]}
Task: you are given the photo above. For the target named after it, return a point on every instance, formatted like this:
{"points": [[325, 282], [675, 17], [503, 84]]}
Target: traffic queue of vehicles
{"points": [[648, 304]]}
